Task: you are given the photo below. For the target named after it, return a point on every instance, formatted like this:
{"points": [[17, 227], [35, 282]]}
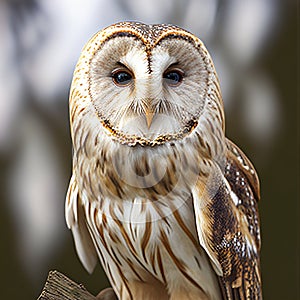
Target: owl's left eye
{"points": [[121, 77], [173, 77]]}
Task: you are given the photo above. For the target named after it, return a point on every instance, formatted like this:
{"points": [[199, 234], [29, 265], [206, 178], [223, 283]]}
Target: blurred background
{"points": [[254, 46]]}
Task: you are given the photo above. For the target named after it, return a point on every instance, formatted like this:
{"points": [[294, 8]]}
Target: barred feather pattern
{"points": [[171, 218]]}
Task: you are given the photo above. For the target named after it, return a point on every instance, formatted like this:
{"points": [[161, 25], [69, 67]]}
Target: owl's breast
{"points": [[135, 191], [153, 240], [124, 172]]}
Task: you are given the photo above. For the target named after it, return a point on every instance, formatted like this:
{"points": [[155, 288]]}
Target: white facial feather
{"points": [[125, 107]]}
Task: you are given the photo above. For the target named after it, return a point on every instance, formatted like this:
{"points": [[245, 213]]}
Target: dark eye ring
{"points": [[173, 77], [121, 77]]}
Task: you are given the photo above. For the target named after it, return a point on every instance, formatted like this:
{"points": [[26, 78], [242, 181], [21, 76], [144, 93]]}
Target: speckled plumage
{"points": [[158, 193]]}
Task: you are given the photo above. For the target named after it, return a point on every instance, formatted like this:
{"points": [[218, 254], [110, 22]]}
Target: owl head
{"points": [[147, 84]]}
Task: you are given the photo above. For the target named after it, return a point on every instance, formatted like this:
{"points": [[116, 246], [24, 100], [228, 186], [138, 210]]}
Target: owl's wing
{"points": [[228, 224], [76, 222]]}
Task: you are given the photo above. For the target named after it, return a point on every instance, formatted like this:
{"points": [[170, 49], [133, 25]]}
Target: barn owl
{"points": [[158, 194]]}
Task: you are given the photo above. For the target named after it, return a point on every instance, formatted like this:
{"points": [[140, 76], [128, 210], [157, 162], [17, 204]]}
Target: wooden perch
{"points": [[60, 287]]}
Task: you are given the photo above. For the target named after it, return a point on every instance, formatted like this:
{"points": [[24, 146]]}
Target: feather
{"points": [[228, 225], [76, 222]]}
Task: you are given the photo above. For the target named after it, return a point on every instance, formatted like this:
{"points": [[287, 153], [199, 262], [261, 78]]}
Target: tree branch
{"points": [[60, 287]]}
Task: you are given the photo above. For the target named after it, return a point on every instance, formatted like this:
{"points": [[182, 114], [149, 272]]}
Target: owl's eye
{"points": [[173, 77], [121, 77]]}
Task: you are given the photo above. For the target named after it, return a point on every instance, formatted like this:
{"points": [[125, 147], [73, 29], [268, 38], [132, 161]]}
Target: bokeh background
{"points": [[254, 47]]}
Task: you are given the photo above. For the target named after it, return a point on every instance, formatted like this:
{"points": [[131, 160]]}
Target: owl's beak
{"points": [[149, 113]]}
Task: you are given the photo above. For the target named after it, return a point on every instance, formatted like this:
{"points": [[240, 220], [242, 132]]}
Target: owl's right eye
{"points": [[121, 77]]}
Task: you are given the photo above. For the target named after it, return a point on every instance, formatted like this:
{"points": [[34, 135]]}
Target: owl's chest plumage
{"points": [[140, 213], [139, 243]]}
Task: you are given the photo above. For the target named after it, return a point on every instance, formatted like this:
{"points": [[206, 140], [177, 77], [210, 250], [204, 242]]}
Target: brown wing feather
{"points": [[228, 224], [243, 163], [244, 183]]}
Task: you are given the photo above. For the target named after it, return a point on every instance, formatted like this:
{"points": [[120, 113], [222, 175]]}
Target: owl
{"points": [[158, 194]]}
